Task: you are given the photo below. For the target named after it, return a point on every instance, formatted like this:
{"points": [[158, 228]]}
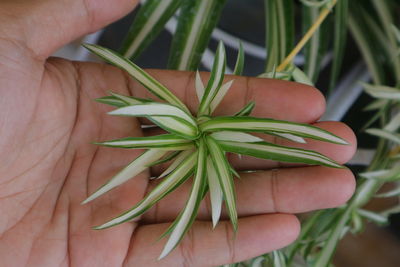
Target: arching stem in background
{"points": [[322, 16]]}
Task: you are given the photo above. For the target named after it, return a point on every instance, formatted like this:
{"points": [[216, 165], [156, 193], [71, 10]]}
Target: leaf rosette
{"points": [[196, 146]]}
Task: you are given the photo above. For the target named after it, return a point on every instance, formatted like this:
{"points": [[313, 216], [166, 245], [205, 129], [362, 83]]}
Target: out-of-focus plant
{"points": [[325, 28]]}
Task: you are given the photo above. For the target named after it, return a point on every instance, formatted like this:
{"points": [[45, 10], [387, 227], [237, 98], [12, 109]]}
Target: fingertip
{"points": [[286, 100], [335, 187], [313, 103], [290, 228], [340, 153], [279, 229], [342, 188]]}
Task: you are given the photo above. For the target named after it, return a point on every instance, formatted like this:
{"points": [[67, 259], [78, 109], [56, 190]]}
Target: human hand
{"points": [[48, 166]]}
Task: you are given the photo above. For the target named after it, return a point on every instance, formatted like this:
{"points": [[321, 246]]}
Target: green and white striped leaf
{"points": [[279, 75], [396, 33], [238, 70], [299, 76], [357, 222], [394, 137], [290, 137], [189, 213], [382, 92], [393, 124], [317, 46], [252, 124], [270, 151], [130, 171], [362, 37], [170, 183], [199, 86], [339, 40], [168, 157], [148, 23], [392, 193], [235, 136], [179, 159], [220, 95], [373, 217], [215, 81], [176, 126], [216, 195], [280, 31], [315, 3], [279, 259], [246, 110], [168, 117], [130, 100], [384, 11], [162, 142], [140, 75], [111, 100], [118, 100], [390, 211], [376, 104], [225, 178], [197, 19], [335, 234], [386, 175]]}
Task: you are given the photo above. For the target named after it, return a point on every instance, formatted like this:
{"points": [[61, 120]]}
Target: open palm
{"points": [[48, 166]]}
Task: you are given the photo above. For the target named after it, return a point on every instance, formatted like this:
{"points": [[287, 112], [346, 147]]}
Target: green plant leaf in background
{"points": [[339, 40], [148, 23], [197, 19], [316, 48], [279, 31]]}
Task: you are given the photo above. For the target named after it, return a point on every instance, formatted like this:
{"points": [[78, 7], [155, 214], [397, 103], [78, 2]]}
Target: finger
{"points": [[274, 98], [339, 153], [47, 24], [203, 246], [290, 190]]}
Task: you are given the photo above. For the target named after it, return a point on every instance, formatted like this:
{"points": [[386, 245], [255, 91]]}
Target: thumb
{"points": [[46, 25]]}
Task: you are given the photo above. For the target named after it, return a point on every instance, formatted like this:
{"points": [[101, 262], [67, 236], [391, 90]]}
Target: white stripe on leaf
{"points": [[252, 124], [166, 186], [225, 179], [187, 216], [199, 86], [130, 171], [181, 157], [216, 195], [235, 136], [140, 75]]}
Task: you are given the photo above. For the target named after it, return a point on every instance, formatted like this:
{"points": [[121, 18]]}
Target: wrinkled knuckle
{"points": [[230, 243], [274, 188], [348, 186], [186, 249]]}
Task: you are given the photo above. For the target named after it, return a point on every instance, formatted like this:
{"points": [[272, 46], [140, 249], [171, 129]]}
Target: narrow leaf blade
{"points": [[178, 176], [238, 70], [140, 75], [165, 141], [280, 153], [252, 124], [130, 171], [148, 23], [216, 195], [186, 218], [196, 22], [225, 179]]}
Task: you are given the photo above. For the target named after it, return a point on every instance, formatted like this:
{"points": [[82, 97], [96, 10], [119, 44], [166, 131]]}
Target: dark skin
{"points": [[48, 166]]}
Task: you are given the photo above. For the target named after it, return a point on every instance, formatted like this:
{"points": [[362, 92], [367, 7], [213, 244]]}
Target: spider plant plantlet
{"points": [[197, 146]]}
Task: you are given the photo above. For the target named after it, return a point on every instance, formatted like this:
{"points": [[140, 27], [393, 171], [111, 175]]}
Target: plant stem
{"points": [[321, 18]]}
